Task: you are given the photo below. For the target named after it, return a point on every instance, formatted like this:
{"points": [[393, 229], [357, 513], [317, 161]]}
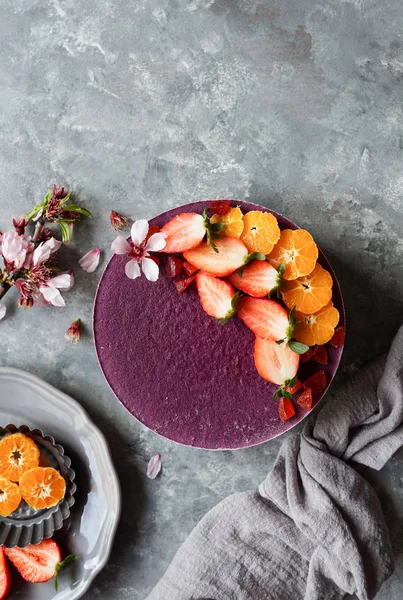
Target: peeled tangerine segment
{"points": [[274, 362], [10, 497], [42, 487], [233, 220], [260, 231], [18, 453], [309, 293], [317, 328], [296, 250]]}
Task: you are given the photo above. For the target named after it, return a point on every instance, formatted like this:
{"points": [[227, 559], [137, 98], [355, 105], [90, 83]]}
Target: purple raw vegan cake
{"points": [[177, 370]]}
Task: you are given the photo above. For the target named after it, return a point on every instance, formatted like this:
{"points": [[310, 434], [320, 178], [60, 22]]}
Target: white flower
{"points": [[90, 261], [138, 250], [44, 250], [49, 293], [2, 311], [16, 248]]}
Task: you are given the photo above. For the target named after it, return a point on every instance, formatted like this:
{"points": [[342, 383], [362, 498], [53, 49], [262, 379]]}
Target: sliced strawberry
{"points": [[231, 254], [305, 399], [182, 284], [266, 318], [306, 356], [220, 207], [5, 577], [285, 409], [258, 279], [173, 266], [217, 297], [293, 390], [338, 337], [317, 382], [39, 563], [274, 362], [319, 355], [190, 269], [184, 232]]}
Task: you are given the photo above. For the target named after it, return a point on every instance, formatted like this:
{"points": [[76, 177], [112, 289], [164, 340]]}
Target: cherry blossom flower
{"points": [[138, 250], [42, 252], [16, 248], [50, 294], [118, 222], [73, 334], [90, 261], [3, 311]]}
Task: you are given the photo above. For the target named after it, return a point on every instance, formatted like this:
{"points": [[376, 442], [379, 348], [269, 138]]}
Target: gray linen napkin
{"points": [[315, 528]]}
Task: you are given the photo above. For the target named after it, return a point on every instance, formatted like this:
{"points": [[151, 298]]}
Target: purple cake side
{"points": [[178, 371]]}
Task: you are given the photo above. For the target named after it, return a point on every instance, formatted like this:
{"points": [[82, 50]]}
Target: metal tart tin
{"points": [[28, 526]]}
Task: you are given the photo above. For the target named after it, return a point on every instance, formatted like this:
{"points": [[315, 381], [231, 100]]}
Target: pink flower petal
{"points": [[150, 269], [3, 311], [120, 245], [139, 231], [156, 242], [154, 466], [52, 295], [90, 261], [63, 282], [132, 269]]}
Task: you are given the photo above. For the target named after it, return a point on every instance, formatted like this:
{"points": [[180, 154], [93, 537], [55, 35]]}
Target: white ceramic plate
{"points": [[27, 400]]}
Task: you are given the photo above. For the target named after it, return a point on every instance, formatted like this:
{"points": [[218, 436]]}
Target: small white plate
{"points": [[27, 400]]}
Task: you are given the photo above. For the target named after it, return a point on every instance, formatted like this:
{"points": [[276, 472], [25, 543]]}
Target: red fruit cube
{"points": [[173, 266], [338, 337], [319, 355], [317, 382], [285, 409], [306, 357], [183, 284], [151, 230], [190, 269], [305, 399], [220, 207], [155, 259], [294, 390]]}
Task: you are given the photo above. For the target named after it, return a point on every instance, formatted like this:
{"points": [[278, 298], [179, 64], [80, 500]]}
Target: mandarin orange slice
{"points": [[309, 293], [42, 487], [317, 328], [18, 453], [297, 250], [10, 497], [233, 220], [260, 231]]}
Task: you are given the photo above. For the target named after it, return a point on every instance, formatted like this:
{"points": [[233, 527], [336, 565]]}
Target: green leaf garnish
{"points": [[77, 209], [297, 347], [286, 394], [69, 559], [291, 382]]}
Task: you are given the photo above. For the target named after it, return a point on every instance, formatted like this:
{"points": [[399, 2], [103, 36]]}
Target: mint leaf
{"points": [[297, 347]]}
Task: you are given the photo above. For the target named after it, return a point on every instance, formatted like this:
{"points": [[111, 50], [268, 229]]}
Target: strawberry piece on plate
{"points": [[338, 337], [317, 382], [306, 356], [258, 279], [230, 255], [320, 356], [217, 297], [275, 363], [173, 266], [190, 269], [266, 318], [285, 409], [305, 399], [295, 388], [183, 284], [151, 230], [5, 577], [220, 207], [39, 563], [184, 232]]}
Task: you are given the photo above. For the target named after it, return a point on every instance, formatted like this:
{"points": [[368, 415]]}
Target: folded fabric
{"points": [[315, 529]]}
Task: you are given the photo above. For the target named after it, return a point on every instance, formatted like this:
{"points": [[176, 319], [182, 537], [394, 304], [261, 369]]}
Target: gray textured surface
{"points": [[142, 105]]}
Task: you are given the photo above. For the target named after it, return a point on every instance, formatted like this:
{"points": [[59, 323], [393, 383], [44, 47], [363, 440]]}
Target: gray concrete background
{"points": [[142, 105]]}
